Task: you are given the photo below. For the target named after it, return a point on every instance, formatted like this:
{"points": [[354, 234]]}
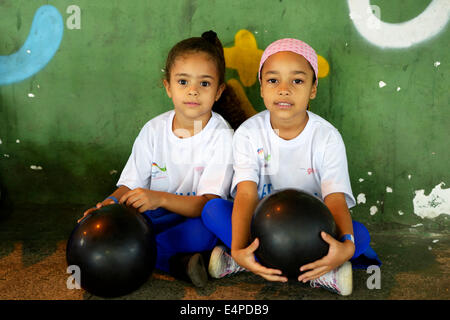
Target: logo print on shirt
{"points": [[163, 169], [265, 158], [309, 170], [158, 172], [199, 169]]}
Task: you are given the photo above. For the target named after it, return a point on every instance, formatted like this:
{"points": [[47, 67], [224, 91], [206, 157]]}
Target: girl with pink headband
{"points": [[288, 146]]}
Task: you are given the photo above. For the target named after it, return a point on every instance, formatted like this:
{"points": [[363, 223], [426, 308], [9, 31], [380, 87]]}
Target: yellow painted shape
{"points": [[244, 57], [324, 67]]}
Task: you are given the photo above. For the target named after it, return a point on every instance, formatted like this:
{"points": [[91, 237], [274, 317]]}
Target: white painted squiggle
{"points": [[399, 35]]}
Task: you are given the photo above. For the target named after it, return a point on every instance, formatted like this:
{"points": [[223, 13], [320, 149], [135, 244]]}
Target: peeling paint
{"points": [[373, 210], [433, 205], [361, 180], [436, 64], [34, 167], [381, 84], [389, 189], [400, 212], [361, 198]]}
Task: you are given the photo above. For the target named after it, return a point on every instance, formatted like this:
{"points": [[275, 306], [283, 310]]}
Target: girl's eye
{"points": [[205, 84], [182, 82], [272, 81], [298, 81]]}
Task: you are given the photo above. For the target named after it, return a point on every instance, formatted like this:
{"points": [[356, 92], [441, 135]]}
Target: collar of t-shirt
{"points": [[295, 141], [174, 138]]}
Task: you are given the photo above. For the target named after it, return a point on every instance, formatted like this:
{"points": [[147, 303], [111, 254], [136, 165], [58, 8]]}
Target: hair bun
{"points": [[210, 36]]}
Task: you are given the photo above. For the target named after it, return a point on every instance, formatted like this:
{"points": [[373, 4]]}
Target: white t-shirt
{"points": [[314, 161], [198, 165]]}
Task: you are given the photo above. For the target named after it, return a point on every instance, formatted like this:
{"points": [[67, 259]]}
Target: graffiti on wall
{"points": [[398, 35], [39, 48]]}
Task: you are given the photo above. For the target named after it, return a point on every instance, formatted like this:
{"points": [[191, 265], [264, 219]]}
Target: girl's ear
{"points": [[167, 86], [313, 91], [220, 91]]}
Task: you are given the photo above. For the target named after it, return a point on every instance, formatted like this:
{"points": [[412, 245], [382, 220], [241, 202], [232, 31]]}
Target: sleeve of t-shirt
{"points": [[245, 161], [218, 172], [334, 175], [137, 170]]}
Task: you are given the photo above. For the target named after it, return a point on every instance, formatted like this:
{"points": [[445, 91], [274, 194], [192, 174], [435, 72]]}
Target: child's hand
{"points": [[104, 203], [246, 259], [142, 199], [338, 253]]}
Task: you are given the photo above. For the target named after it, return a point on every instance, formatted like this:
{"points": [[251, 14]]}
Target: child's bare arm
{"points": [[118, 193], [144, 199], [243, 208]]}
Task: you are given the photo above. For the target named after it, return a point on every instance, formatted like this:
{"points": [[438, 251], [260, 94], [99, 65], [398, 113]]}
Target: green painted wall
{"points": [[104, 83]]}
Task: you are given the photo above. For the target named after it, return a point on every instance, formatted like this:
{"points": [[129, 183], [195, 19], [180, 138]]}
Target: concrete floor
{"points": [[416, 265]]}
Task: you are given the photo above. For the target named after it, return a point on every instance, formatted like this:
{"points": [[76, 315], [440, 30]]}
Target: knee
{"points": [[211, 208]]}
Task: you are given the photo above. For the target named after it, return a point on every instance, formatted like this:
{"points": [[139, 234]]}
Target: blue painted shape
{"points": [[41, 45]]}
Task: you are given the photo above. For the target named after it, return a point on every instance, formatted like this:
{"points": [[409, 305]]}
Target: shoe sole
{"points": [[214, 269], [197, 271], [345, 279]]}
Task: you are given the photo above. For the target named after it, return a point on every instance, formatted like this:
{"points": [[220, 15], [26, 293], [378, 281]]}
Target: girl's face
{"points": [[194, 86], [287, 85]]}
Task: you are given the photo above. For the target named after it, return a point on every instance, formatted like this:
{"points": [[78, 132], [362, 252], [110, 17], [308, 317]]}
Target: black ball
{"points": [[288, 225], [115, 250]]}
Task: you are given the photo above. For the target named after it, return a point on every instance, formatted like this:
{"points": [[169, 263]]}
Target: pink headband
{"points": [[292, 45]]}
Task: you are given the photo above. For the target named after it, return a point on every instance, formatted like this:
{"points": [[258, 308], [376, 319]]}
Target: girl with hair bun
{"points": [[182, 158]]}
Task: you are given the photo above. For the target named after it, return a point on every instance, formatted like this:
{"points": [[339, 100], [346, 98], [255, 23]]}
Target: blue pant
{"points": [[216, 217], [177, 234]]}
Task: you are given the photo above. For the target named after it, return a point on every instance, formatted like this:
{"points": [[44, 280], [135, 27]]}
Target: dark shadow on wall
{"points": [[59, 173]]}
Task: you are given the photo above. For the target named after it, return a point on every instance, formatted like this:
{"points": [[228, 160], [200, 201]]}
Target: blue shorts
{"points": [[216, 217], [178, 234]]}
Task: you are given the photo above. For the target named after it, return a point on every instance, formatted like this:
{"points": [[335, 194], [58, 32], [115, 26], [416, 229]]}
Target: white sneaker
{"points": [[221, 263], [339, 280]]}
